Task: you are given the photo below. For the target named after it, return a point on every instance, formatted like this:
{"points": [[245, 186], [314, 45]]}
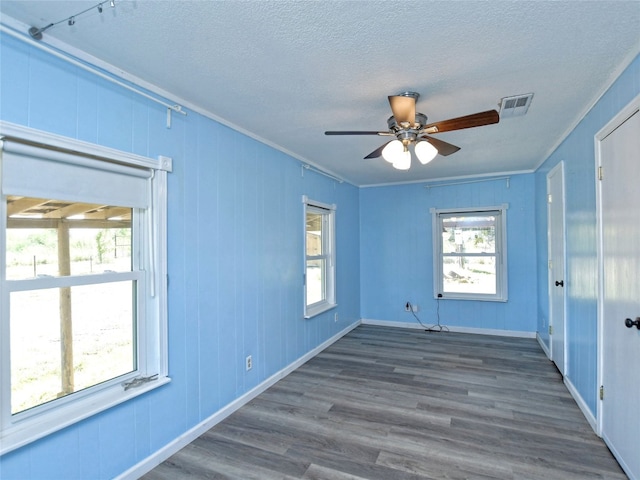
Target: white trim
{"points": [[19, 132], [453, 329], [328, 213], [625, 468], [87, 407], [613, 77], [13, 27], [500, 255], [544, 347], [504, 206], [312, 203], [632, 107], [318, 308], [190, 435], [582, 405], [615, 122], [25, 427], [550, 276]]}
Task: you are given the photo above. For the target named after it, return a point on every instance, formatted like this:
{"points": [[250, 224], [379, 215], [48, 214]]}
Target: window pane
{"points": [[314, 234], [474, 234], [463, 274], [60, 345], [56, 238], [315, 281]]}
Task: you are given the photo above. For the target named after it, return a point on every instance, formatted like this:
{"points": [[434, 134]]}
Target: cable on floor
{"points": [[438, 327]]}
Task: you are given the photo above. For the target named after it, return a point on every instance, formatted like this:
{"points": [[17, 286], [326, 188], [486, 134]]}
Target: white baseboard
{"points": [[582, 405], [478, 331], [591, 419], [190, 435], [543, 346]]}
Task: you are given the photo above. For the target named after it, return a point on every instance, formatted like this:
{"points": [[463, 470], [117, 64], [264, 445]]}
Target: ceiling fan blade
{"points": [[468, 121], [443, 148], [378, 151], [403, 108], [357, 132]]}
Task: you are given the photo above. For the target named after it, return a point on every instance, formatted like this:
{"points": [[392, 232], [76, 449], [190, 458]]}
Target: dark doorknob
{"points": [[560, 283], [630, 323]]}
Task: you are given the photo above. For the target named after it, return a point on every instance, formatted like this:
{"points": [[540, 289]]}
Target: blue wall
{"points": [[235, 255], [577, 151], [397, 253], [235, 260]]}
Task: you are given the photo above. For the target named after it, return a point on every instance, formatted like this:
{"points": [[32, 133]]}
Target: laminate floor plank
{"points": [[460, 467], [316, 472], [387, 403]]}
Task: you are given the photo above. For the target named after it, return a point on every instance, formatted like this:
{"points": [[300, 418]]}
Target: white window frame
{"points": [[329, 247], [150, 274], [437, 214]]}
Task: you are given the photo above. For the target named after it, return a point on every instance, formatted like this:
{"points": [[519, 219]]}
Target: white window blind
{"points": [[33, 171]]}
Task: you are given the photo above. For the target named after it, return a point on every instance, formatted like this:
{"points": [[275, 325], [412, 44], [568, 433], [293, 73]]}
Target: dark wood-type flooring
{"points": [[390, 403]]}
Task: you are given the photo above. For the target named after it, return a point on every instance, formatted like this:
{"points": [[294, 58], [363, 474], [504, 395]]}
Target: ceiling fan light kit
{"points": [[425, 151], [403, 161], [393, 150], [398, 154], [411, 128]]}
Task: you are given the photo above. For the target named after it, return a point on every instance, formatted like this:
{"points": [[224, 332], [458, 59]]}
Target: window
{"points": [[319, 248], [82, 258], [469, 253]]}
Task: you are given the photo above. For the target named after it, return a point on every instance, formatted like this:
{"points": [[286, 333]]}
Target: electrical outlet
{"points": [[414, 308], [248, 362]]}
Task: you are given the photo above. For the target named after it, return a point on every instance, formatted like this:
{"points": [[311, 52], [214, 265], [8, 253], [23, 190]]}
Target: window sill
{"points": [[24, 432], [318, 308]]}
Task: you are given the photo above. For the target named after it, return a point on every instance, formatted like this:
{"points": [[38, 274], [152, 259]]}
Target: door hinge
{"points": [[601, 392], [599, 173], [550, 264], [549, 198], [550, 329]]}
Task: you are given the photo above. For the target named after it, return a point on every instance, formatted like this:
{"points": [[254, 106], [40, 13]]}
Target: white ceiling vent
{"points": [[515, 106]]}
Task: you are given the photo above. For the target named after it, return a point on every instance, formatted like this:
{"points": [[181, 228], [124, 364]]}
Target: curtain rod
{"points": [[468, 181], [306, 166], [88, 68]]}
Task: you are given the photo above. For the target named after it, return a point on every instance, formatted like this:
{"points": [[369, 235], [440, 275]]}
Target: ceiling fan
{"points": [[411, 128]]}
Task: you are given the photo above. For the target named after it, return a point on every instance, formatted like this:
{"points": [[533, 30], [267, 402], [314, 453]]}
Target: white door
{"points": [[555, 208], [620, 291]]}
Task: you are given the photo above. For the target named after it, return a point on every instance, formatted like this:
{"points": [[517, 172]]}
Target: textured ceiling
{"points": [[286, 71]]}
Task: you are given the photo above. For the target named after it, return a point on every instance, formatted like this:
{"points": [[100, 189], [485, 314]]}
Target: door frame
{"points": [[550, 276], [623, 115]]}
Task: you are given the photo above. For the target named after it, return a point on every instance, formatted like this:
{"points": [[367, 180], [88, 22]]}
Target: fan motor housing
{"points": [[421, 120]]}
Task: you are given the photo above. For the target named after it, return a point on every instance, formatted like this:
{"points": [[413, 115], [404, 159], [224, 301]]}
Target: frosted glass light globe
{"points": [[425, 152], [393, 151], [403, 162]]}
